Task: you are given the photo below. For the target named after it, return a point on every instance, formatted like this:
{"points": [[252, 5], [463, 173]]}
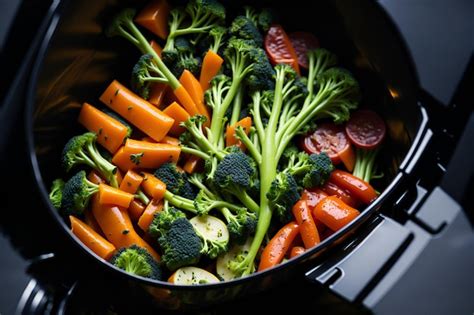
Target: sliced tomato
{"points": [[366, 129], [279, 49], [302, 42], [333, 140], [356, 186], [333, 189]]}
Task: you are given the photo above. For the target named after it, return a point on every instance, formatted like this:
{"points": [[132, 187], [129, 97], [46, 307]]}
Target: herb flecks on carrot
{"points": [[136, 110]]}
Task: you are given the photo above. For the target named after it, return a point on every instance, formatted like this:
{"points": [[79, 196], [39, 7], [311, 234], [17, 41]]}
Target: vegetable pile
{"points": [[219, 158]]}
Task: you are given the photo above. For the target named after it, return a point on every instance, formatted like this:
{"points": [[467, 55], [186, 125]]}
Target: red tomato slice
{"points": [[327, 138], [365, 129], [279, 48], [302, 42]]}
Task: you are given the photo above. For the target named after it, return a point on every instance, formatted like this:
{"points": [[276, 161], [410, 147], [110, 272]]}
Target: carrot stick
{"points": [[96, 243], [142, 154], [135, 210], [309, 232], [192, 85], [278, 246], [157, 94], [112, 196], [312, 198], [117, 226], [230, 138], [153, 186], [348, 158], [92, 222], [211, 65], [95, 178], [136, 110], [111, 133], [179, 115], [157, 48], [296, 251], [356, 186], [186, 100], [170, 140], [334, 213], [192, 163], [154, 17], [147, 216], [131, 182]]}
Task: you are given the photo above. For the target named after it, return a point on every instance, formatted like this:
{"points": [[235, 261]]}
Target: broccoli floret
{"points": [[235, 174], [82, 150], [283, 194], [76, 194], [181, 245], [243, 28], [309, 170], [162, 221], [203, 15], [262, 20], [138, 261], [240, 225], [176, 181], [261, 76], [121, 120], [181, 57], [56, 192]]}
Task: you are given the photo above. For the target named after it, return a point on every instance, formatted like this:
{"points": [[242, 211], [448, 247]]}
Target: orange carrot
{"points": [[148, 139], [92, 222], [154, 17], [117, 226], [135, 210], [111, 133], [179, 115], [112, 196], [312, 198], [230, 138], [211, 65], [296, 251], [309, 232], [141, 154], [147, 215], [131, 182], [96, 243], [278, 246], [334, 213], [356, 186], [157, 94], [192, 85], [95, 178], [153, 186], [136, 110], [348, 158], [157, 48], [186, 100], [170, 140], [192, 163]]}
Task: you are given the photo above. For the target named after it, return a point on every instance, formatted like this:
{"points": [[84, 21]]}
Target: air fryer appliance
{"points": [[413, 244]]}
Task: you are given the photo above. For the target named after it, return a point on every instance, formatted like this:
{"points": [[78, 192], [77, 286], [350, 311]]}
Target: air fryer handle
{"points": [[351, 271]]}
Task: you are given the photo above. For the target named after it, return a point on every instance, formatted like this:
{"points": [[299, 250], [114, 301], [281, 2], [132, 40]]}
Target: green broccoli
{"points": [[137, 261], [162, 220], [76, 194], [313, 170], [180, 244], [261, 76], [364, 165], [181, 57], [176, 181], [82, 150], [217, 34], [203, 15], [235, 174], [283, 194], [56, 193], [262, 20], [213, 233], [243, 28]]}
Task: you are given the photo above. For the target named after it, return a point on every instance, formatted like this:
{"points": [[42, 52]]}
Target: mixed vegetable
{"points": [[234, 148]]}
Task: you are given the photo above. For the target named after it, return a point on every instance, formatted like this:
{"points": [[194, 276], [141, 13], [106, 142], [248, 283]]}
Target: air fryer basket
{"points": [[77, 61]]}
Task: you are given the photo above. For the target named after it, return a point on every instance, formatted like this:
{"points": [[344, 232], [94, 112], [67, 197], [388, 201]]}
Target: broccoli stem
{"points": [[106, 168], [180, 202], [237, 106], [365, 160], [242, 136], [137, 38], [195, 152], [247, 201], [140, 195]]}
